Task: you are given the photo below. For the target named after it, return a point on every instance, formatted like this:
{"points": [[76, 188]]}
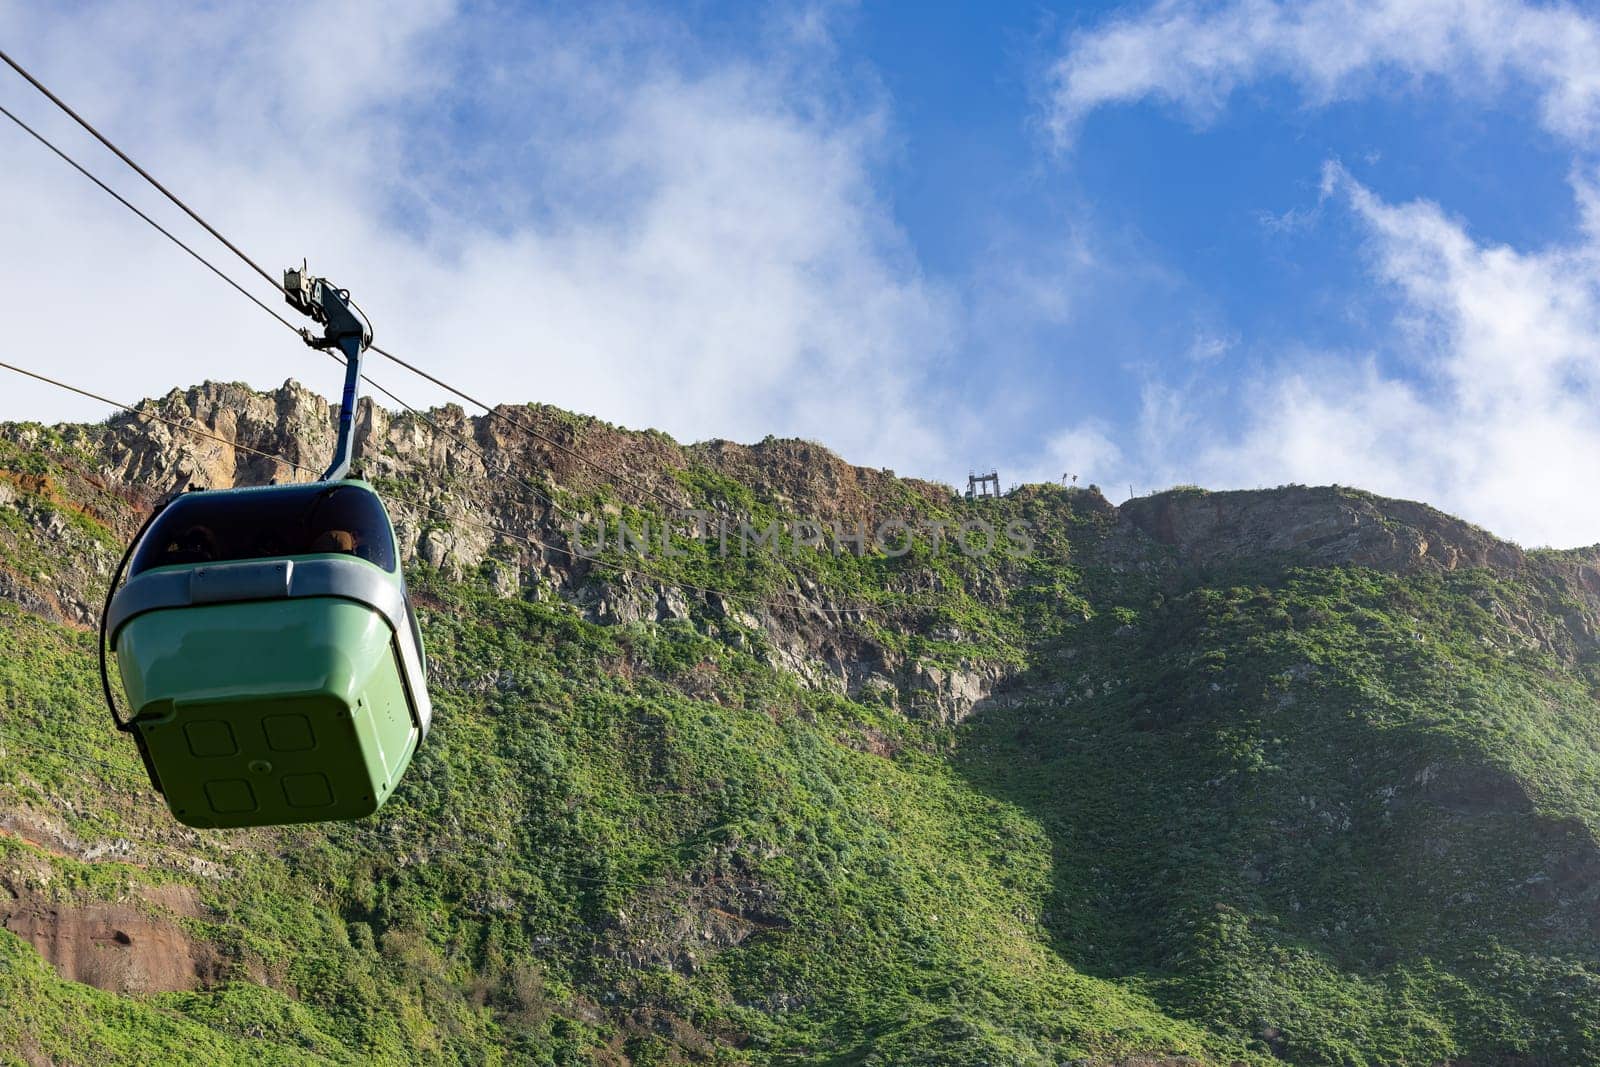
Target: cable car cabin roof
{"points": [[270, 522], [269, 543]]}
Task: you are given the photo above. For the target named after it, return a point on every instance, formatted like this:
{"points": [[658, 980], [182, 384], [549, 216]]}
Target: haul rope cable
{"points": [[81, 121], [593, 559], [168, 234], [23, 739], [496, 413], [755, 598], [491, 412], [276, 284], [159, 418]]}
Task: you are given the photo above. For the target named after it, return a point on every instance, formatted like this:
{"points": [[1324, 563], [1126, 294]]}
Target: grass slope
{"points": [[537, 886], [1323, 814]]}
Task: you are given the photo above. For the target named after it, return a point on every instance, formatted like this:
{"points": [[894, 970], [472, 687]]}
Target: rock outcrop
{"points": [[1321, 525], [500, 496]]}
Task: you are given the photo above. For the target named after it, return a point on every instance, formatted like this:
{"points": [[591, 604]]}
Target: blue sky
{"points": [[1236, 243]]}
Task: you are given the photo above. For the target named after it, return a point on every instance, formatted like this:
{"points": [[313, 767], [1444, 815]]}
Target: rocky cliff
{"points": [[475, 492]]}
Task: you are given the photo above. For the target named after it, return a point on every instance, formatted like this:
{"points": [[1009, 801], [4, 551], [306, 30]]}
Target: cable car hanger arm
{"points": [[331, 307]]}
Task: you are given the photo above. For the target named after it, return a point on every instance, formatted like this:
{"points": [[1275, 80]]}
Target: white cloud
{"points": [[627, 225], [1195, 55], [1494, 414], [1083, 455], [1208, 348], [661, 236], [1485, 400]]}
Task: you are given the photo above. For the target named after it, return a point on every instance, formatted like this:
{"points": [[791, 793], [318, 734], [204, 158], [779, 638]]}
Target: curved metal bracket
{"points": [[347, 411], [327, 304]]}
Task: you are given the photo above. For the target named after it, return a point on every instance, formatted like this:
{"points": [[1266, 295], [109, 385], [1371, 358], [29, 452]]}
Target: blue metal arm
{"points": [[350, 345]]}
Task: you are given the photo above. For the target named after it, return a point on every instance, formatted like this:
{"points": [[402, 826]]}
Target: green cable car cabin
{"points": [[269, 654], [264, 638]]}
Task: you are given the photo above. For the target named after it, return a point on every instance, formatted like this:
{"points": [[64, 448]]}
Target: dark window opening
{"points": [[298, 520]]}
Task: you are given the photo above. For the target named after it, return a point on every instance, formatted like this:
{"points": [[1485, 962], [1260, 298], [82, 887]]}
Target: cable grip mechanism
{"points": [[330, 306], [326, 304]]}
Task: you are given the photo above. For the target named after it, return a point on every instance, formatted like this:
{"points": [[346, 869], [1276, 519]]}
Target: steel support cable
{"points": [[158, 418], [23, 739], [676, 583], [496, 413], [168, 234], [491, 412], [752, 598], [120, 154], [757, 598], [857, 609], [275, 283], [540, 494], [556, 507]]}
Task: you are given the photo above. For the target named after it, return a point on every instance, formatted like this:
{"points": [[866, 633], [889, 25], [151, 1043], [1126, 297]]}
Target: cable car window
{"points": [[224, 526]]}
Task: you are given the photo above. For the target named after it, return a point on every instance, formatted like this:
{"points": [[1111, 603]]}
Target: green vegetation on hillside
{"points": [[1242, 812]]}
